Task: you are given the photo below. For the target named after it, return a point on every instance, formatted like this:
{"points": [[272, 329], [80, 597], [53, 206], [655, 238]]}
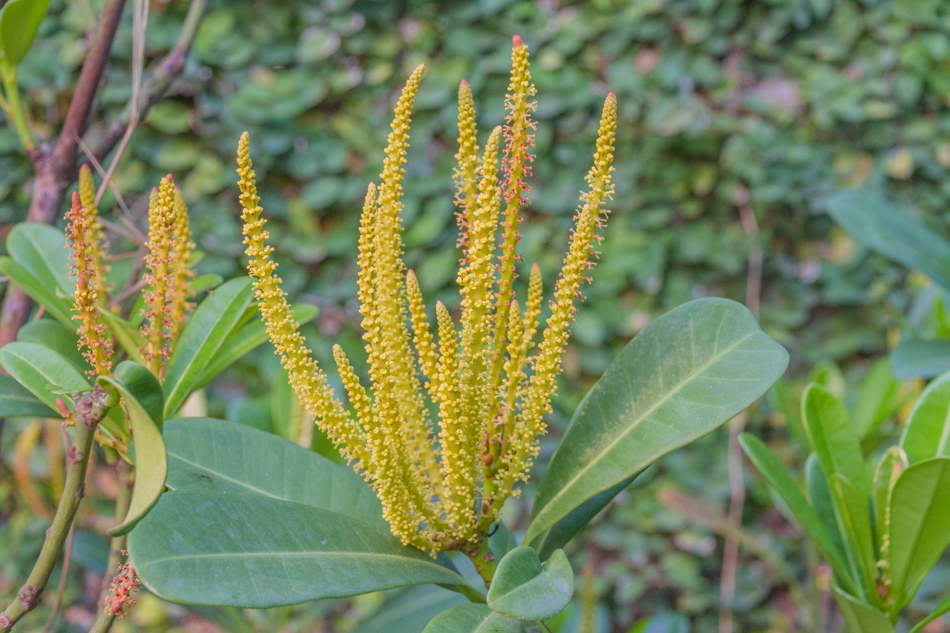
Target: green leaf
{"points": [[920, 359], [942, 608], [833, 437], [781, 482], [887, 230], [684, 375], [409, 610], [38, 368], [218, 456], [43, 294], [129, 337], [927, 433], [861, 617], [472, 618], [245, 339], [559, 534], [17, 402], [213, 320], [525, 588], [877, 398], [854, 524], [41, 250], [142, 395], [919, 529], [209, 547], [56, 336], [819, 495], [19, 21]]}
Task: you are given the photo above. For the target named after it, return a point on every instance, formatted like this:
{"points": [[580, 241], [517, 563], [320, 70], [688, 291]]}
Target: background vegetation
{"points": [[736, 120]]}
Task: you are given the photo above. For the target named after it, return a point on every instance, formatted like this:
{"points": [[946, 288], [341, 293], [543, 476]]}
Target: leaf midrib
{"points": [[566, 487], [296, 554]]}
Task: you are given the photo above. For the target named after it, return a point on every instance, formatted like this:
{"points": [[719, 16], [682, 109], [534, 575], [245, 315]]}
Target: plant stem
{"points": [[484, 560], [90, 408], [14, 108]]}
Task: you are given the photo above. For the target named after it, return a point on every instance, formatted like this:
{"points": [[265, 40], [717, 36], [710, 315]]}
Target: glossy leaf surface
{"points": [[142, 396], [19, 21], [209, 547], [920, 359], [861, 617], [16, 401], [684, 375], [927, 433], [832, 436], [218, 456], [525, 588], [472, 618]]}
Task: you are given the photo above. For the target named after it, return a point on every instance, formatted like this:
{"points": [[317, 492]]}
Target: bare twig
{"points": [[90, 408], [159, 79], [737, 492], [139, 25], [102, 172]]}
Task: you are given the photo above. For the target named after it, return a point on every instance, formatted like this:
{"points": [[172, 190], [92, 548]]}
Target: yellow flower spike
{"points": [[514, 367], [398, 389], [521, 447], [180, 273], [458, 455], [365, 258], [422, 336], [306, 378], [161, 226], [532, 308], [519, 138], [87, 196], [467, 163], [94, 342]]}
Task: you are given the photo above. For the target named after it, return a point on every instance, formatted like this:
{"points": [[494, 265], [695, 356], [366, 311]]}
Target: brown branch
{"points": [[56, 169], [159, 80]]}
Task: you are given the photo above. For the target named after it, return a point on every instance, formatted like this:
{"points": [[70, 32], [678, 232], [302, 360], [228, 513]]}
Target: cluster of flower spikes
{"points": [[166, 273], [443, 487], [124, 584]]}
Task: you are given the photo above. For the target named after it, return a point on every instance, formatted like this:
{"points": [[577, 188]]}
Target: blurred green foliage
{"points": [[767, 104]]}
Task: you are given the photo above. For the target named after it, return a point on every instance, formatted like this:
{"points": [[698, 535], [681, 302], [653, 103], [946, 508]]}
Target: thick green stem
{"points": [[484, 560], [90, 408], [14, 109]]}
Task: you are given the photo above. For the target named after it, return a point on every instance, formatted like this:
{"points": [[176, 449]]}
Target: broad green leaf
{"points": [[920, 359], [288, 414], [213, 320], [819, 495], [684, 375], [861, 617], [409, 610], [559, 534], [19, 21], [525, 588], [877, 398], [41, 250], [142, 396], [887, 230], [832, 436], [920, 525], [201, 283], [37, 368], [501, 541], [129, 337], [43, 294], [245, 339], [886, 474], [927, 433], [218, 456], [17, 402], [209, 547], [472, 618], [781, 482], [56, 336], [854, 524]]}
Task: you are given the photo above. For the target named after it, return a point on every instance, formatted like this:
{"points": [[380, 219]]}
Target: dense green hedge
{"points": [[781, 102]]}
